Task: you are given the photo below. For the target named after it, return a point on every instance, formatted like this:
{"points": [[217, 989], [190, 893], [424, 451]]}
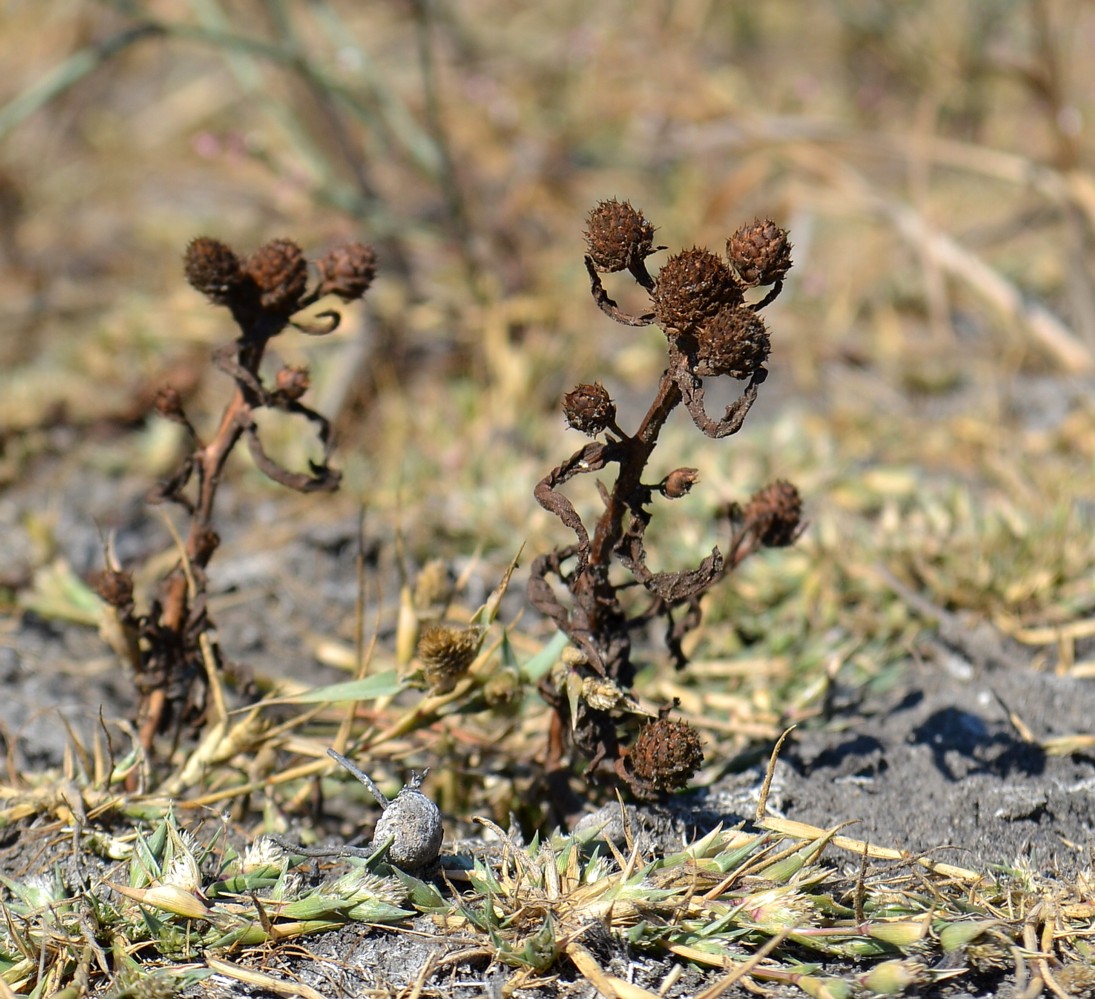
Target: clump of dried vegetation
{"points": [[171, 647], [699, 301]]}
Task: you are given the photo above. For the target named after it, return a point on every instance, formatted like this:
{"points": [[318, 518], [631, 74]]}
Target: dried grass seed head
{"points": [[347, 271], [735, 342], [446, 654], [760, 252], [776, 514], [280, 273], [692, 287], [618, 236], [213, 268], [589, 408], [667, 754]]}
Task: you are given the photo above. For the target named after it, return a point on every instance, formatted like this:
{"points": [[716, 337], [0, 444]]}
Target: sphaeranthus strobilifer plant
{"points": [[263, 293], [700, 302]]}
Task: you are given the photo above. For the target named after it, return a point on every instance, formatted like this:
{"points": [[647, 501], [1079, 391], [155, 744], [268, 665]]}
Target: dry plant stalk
{"points": [[699, 301], [262, 292]]}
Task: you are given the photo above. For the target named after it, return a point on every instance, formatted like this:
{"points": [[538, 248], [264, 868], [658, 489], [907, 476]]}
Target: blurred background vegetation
{"points": [[932, 354]]}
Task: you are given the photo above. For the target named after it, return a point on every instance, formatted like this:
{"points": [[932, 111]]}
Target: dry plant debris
{"points": [[171, 647]]}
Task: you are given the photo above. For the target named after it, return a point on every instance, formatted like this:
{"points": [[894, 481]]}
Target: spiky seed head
{"points": [[280, 273], [292, 382], [213, 269], [667, 754], [115, 587], [413, 822], [446, 654], [776, 514], [693, 286], [347, 271], [760, 252], [618, 236], [589, 409], [735, 342], [680, 481]]}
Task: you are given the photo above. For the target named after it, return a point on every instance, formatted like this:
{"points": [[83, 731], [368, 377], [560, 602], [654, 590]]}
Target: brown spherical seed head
{"points": [[760, 252], [589, 409], [735, 343], [667, 754], [693, 286], [280, 273], [680, 481], [347, 271], [776, 514], [446, 654], [618, 236], [213, 269]]}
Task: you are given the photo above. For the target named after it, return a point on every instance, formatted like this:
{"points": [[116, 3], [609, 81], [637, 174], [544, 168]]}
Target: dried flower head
{"points": [[115, 587], [280, 273], [667, 754], [446, 654], [292, 382], [347, 271], [760, 252], [589, 409], [213, 269], [735, 343], [618, 236], [775, 512], [679, 482], [693, 286]]}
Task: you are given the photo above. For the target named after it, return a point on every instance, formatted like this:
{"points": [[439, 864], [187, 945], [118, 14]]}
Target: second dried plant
{"points": [[701, 302]]}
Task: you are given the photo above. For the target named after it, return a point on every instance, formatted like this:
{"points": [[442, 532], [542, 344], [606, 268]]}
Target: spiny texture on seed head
{"points": [[347, 271], [446, 654], [776, 513], [280, 272], [734, 342], [667, 754], [693, 286], [760, 252], [617, 236], [213, 269], [589, 409]]}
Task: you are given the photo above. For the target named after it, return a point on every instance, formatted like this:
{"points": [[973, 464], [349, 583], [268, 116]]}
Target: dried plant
{"points": [[263, 292], [699, 301]]}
